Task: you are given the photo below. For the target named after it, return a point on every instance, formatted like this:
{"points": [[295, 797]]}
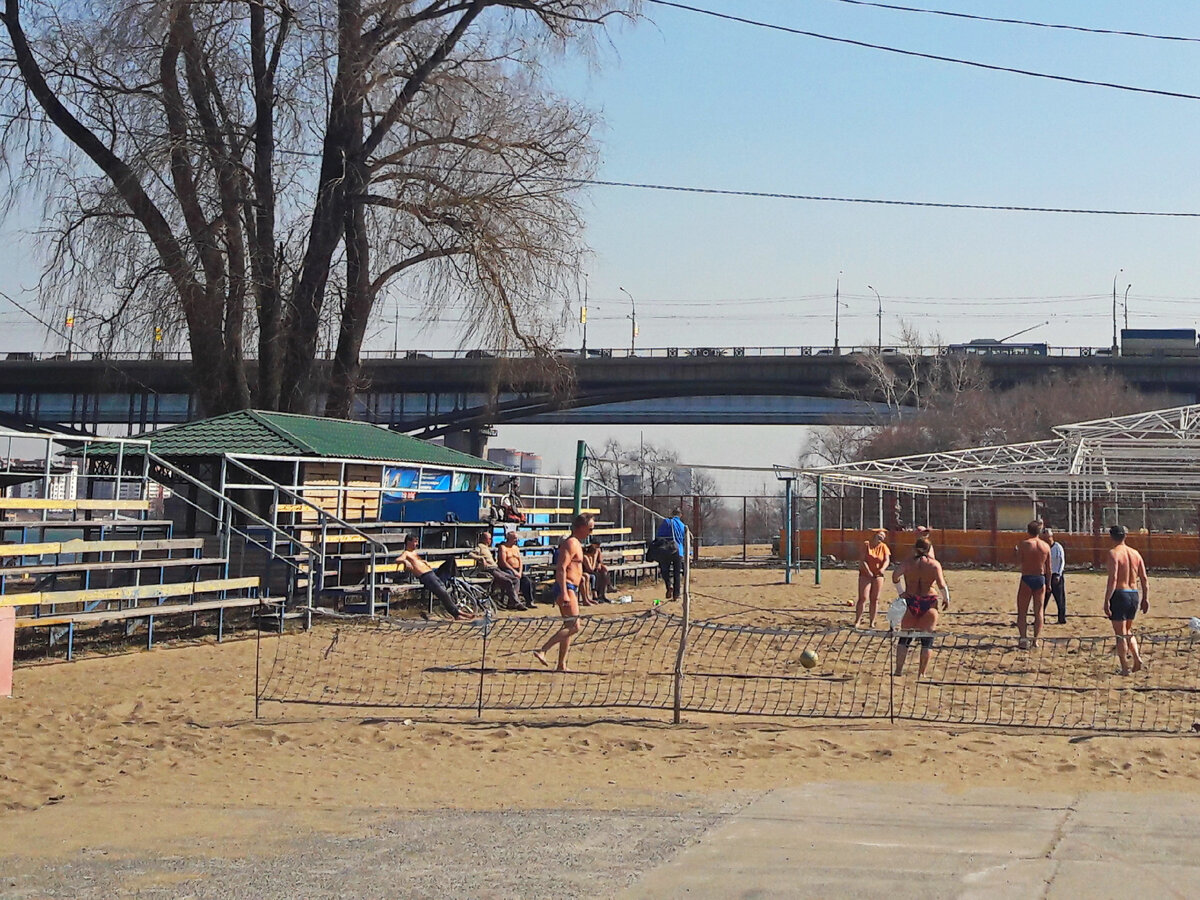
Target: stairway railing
{"points": [[226, 528], [325, 518]]}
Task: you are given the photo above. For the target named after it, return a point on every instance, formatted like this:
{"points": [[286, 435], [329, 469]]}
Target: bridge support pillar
{"points": [[472, 440]]}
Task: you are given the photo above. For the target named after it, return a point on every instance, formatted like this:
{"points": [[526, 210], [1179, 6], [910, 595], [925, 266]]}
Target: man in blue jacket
{"points": [[672, 567]]}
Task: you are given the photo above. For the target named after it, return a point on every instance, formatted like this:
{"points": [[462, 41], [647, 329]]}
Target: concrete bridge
{"points": [[462, 395]]}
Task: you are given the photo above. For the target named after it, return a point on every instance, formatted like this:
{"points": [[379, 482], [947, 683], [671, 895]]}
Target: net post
{"points": [[683, 633], [487, 621], [891, 678], [257, 653], [580, 463]]}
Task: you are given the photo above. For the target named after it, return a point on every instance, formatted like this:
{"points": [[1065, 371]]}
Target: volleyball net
{"points": [[629, 661]]}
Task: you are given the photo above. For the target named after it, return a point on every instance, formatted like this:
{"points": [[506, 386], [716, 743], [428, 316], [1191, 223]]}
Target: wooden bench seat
{"points": [[169, 562], [56, 548], [130, 592], [82, 524], [634, 569], [141, 612], [150, 613], [82, 505]]}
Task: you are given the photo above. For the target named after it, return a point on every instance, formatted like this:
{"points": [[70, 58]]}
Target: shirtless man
{"points": [[1034, 554], [921, 575], [482, 554], [414, 565], [512, 561], [568, 573], [595, 582], [1125, 566], [874, 558]]}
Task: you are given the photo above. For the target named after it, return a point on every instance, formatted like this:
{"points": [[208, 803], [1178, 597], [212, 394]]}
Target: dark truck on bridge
{"points": [[1159, 342]]}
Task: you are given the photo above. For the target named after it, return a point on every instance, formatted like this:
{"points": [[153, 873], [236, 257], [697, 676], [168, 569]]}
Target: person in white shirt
{"points": [[1058, 565]]}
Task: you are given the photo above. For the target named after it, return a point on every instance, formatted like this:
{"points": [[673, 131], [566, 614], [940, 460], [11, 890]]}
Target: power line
{"points": [[1027, 22], [822, 198], [933, 56], [769, 195]]}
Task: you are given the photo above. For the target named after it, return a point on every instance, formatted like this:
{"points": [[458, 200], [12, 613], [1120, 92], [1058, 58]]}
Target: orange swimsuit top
{"points": [[876, 559]]}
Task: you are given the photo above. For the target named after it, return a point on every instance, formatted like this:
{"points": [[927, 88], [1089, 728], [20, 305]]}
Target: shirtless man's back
{"points": [[1126, 571], [923, 579], [1034, 554]]}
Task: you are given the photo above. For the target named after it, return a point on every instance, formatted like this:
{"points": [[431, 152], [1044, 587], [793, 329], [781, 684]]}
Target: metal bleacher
{"points": [[81, 554]]}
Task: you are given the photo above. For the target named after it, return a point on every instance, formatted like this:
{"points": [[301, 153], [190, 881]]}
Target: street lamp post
{"points": [[880, 302], [633, 331], [1125, 305], [837, 309], [1115, 346], [583, 314]]}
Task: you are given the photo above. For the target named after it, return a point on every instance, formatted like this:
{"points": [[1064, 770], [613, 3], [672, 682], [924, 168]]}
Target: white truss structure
{"points": [[1156, 452]]}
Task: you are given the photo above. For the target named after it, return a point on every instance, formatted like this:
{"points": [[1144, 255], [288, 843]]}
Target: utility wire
{"points": [[824, 198], [933, 56], [770, 195], [1027, 22]]}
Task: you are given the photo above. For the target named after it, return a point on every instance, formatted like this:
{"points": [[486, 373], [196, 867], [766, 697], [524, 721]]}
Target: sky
{"points": [[689, 100]]}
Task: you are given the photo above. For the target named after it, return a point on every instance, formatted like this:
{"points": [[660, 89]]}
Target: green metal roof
{"points": [[253, 431]]}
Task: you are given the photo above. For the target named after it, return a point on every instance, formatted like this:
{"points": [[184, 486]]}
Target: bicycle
{"points": [[472, 598]]}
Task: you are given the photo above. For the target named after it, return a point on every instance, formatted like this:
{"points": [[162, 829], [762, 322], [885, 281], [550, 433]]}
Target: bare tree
{"points": [[988, 416], [830, 445], [709, 503], [264, 170], [916, 375]]}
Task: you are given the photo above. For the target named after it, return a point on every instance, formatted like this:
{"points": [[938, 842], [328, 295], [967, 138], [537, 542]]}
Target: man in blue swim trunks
{"points": [[568, 573], [1121, 601], [1035, 576]]}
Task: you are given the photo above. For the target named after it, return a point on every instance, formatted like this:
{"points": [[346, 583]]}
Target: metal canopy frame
{"points": [[1156, 452]]}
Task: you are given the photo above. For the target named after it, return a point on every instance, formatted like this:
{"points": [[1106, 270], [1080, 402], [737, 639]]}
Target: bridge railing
{"points": [[592, 353]]}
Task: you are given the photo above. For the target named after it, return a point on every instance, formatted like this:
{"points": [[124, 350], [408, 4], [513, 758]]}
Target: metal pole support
{"points": [[820, 542], [787, 530]]}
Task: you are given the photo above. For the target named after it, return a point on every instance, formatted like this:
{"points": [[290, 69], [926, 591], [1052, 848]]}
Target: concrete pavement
{"points": [[896, 841]]}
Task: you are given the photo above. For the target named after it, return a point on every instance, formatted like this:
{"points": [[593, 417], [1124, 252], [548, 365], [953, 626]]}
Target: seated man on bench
{"points": [[512, 562], [595, 574], [482, 554]]}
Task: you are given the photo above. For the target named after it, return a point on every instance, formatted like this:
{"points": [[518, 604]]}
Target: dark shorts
{"points": [[1124, 605], [1034, 582], [918, 606]]}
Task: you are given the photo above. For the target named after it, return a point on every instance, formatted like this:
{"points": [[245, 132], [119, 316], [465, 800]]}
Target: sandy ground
{"points": [[154, 753]]}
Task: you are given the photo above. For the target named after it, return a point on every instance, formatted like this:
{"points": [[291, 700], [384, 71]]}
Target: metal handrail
{"points": [[225, 521], [333, 517], [325, 517]]}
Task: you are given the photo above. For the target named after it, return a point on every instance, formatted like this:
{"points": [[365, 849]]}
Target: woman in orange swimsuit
{"points": [[873, 562]]}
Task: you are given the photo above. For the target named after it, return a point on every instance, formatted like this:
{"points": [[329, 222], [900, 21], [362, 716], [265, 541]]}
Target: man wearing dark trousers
{"points": [[672, 567], [1058, 566]]}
